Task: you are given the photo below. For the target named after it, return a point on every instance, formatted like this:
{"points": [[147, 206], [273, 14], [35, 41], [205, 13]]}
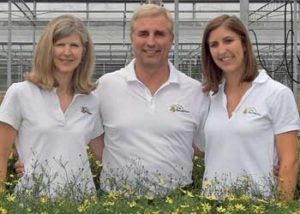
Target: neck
{"points": [[64, 84], [232, 81], [152, 78]]}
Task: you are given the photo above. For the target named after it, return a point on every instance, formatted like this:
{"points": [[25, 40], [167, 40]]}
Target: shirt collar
{"points": [[261, 77], [131, 75]]}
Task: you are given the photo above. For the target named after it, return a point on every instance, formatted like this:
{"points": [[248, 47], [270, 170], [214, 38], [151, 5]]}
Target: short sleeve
{"points": [[98, 127], [10, 109], [199, 139], [284, 112]]}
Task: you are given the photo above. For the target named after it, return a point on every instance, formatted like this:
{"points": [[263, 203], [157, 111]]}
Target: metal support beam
{"points": [[34, 27], [244, 12], [176, 32], [295, 60], [23, 7], [8, 78]]}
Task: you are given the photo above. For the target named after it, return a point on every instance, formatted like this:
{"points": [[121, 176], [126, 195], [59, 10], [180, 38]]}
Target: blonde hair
{"points": [[211, 72], [151, 10], [43, 65]]}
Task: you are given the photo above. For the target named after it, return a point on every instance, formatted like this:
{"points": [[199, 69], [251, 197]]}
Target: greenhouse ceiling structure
{"points": [[273, 27]]}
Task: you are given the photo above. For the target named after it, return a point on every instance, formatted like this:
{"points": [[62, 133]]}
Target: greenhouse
{"points": [[272, 24], [149, 106]]}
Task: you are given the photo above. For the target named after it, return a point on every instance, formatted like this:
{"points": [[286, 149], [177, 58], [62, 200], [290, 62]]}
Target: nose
{"points": [[151, 40], [67, 50], [221, 48]]}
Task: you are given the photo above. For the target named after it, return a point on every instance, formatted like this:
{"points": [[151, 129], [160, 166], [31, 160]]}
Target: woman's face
{"points": [[227, 51], [67, 54]]}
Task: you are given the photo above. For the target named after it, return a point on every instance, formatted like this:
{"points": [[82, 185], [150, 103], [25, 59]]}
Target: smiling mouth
{"points": [[151, 51], [66, 60]]}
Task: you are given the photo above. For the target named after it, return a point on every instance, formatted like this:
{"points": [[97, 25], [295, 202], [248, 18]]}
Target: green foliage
{"points": [[187, 200]]}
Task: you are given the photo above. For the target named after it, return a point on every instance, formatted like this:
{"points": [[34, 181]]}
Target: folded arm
{"points": [[288, 167], [7, 137], [96, 145]]}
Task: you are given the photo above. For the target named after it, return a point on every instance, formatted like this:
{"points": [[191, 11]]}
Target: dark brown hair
{"points": [[212, 74]]}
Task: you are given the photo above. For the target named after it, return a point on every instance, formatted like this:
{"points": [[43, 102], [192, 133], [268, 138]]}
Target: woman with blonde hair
{"points": [[252, 122], [53, 115]]}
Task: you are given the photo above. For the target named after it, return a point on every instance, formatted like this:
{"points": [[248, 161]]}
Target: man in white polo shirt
{"points": [[151, 113]]}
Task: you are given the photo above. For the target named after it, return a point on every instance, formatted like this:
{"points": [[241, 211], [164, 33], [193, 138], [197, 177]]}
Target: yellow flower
{"points": [[11, 197], [93, 199], [108, 204], [112, 195], [221, 209], [175, 211], [160, 180], [43, 199], [258, 209], [182, 190], [149, 197], [3, 210], [86, 203], [206, 183], [169, 200], [81, 209], [184, 206], [189, 194], [240, 207], [126, 187], [212, 198], [132, 204], [98, 163], [8, 183], [206, 207], [245, 197]]}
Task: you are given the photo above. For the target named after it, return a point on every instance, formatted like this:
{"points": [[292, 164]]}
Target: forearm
{"points": [[7, 136], [197, 151], [96, 146], [3, 171], [287, 180]]}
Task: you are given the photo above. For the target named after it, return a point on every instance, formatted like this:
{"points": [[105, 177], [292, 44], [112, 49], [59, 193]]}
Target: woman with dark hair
{"points": [[252, 122]]}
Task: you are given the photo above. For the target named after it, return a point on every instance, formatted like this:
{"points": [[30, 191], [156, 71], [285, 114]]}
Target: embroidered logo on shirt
{"points": [[177, 107], [251, 110], [85, 109]]}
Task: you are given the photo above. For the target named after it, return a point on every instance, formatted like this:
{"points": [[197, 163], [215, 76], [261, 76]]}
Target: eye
{"points": [[75, 45], [228, 40], [160, 33], [59, 44], [212, 44], [143, 33]]}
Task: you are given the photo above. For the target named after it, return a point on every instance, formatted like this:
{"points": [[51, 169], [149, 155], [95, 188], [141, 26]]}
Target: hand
{"points": [[19, 168]]}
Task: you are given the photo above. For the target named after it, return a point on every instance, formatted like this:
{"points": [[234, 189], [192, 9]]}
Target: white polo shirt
{"points": [[50, 142], [242, 148], [148, 139]]}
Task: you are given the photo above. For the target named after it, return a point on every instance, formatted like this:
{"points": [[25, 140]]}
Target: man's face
{"points": [[151, 40]]}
